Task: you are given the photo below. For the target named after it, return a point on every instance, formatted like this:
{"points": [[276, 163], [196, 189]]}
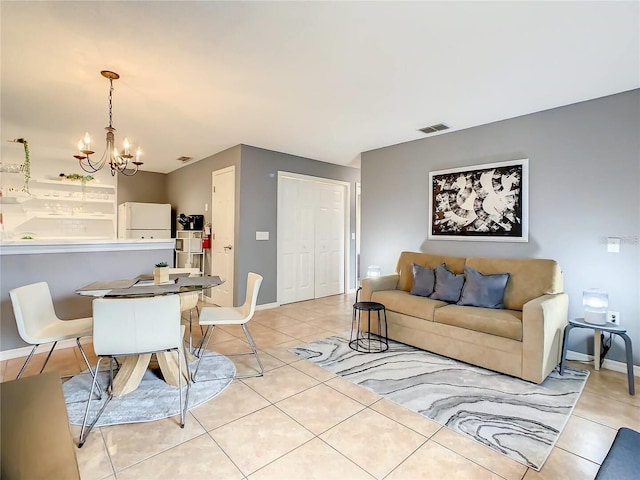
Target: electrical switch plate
{"points": [[613, 244], [262, 235]]}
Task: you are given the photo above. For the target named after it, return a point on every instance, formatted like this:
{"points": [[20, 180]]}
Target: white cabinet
{"points": [[189, 251], [57, 209]]}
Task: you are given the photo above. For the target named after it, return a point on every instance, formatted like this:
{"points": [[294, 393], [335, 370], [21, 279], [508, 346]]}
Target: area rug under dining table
{"points": [[152, 400], [519, 419]]}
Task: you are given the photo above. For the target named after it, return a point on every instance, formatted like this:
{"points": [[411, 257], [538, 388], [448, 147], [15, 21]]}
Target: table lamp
{"points": [[595, 304], [373, 271]]}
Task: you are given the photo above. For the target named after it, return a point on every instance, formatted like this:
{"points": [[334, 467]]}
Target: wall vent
{"points": [[434, 128], [184, 159]]}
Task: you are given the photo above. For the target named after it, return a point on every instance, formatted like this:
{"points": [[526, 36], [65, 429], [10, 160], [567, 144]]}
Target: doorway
{"points": [[223, 196]]}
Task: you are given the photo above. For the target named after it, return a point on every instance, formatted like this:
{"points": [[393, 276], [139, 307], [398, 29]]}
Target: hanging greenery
{"points": [[26, 167]]}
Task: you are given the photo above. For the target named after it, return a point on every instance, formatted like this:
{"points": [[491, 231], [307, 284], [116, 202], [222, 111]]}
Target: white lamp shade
{"points": [[373, 271], [595, 302]]}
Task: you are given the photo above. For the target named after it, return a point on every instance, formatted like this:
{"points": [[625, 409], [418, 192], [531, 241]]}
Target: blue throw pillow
{"points": [[483, 290], [424, 280], [448, 285]]}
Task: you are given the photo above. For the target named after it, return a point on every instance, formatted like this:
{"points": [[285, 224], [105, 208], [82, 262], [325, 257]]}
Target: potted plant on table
{"points": [[161, 273]]}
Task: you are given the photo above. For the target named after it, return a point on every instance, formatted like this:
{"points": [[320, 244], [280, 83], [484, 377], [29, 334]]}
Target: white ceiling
{"points": [[324, 80]]}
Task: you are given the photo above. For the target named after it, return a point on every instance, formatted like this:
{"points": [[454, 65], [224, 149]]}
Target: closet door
{"points": [[296, 240], [329, 236], [311, 238]]}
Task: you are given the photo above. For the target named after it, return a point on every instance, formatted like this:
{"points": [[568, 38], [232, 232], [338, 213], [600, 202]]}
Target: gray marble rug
{"points": [[519, 419], [152, 400]]}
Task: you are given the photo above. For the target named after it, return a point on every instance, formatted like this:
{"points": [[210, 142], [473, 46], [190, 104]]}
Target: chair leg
{"points": [[252, 343], [254, 352], [46, 360], [26, 362], [202, 348], [85, 433], [86, 360], [183, 406]]}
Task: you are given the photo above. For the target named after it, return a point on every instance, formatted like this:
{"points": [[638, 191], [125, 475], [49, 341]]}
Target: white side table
{"points": [[598, 329]]}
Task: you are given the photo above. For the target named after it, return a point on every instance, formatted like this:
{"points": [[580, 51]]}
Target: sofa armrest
{"points": [[375, 284], [543, 322]]}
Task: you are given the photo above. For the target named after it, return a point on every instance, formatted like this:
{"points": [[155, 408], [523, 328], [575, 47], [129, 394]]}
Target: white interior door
{"points": [[222, 228], [329, 233], [295, 241], [312, 219]]}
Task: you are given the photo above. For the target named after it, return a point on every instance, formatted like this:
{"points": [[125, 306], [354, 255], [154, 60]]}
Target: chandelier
{"points": [[123, 162]]}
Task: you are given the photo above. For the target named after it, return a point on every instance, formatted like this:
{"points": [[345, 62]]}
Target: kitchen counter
{"points": [[67, 265], [36, 246]]}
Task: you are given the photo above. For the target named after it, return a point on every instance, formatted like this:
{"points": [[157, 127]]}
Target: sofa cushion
{"points": [[424, 280], [404, 270], [502, 323], [483, 290], [403, 302], [529, 278], [448, 285]]}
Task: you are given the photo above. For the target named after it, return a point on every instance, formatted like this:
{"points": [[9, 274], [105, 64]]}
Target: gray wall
{"points": [[146, 187], [258, 212], [189, 188], [584, 185]]}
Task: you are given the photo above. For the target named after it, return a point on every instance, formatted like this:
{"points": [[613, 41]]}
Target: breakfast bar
{"points": [[67, 265]]}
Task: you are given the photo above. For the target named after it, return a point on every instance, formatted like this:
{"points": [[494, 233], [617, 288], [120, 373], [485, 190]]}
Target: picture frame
{"points": [[488, 202]]}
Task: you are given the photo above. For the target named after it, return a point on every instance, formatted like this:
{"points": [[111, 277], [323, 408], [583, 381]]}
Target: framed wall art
{"points": [[481, 202]]}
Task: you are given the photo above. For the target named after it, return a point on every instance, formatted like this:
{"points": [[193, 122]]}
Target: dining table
{"points": [[133, 368]]}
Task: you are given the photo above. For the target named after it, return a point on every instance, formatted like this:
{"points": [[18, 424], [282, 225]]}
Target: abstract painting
{"points": [[481, 202]]}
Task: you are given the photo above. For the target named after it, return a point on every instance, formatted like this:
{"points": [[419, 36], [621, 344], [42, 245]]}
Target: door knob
{"points": [[228, 247]]}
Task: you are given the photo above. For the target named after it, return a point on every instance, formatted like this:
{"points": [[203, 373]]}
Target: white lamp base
{"points": [[595, 318]]}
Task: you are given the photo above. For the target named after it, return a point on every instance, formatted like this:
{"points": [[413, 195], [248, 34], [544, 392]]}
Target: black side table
{"points": [[612, 329], [365, 341]]}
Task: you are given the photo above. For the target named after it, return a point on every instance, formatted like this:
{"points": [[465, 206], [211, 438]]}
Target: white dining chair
{"points": [[188, 300], [213, 316], [135, 326], [38, 323]]}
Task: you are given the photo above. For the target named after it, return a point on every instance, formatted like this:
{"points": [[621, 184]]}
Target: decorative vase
{"points": [[160, 275]]}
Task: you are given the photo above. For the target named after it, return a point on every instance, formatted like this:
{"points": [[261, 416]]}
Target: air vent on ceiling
{"points": [[434, 128], [184, 159]]}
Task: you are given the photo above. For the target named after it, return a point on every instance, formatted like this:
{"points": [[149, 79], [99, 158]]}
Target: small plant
{"points": [[161, 264]]}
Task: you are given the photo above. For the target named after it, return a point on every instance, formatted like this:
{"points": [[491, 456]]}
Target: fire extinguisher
{"points": [[206, 240]]}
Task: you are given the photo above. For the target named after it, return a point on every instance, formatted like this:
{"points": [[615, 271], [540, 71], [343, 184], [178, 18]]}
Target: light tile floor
{"points": [[301, 422]]}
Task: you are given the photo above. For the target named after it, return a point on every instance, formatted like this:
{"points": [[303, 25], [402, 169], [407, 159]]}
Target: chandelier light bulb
{"points": [[87, 141], [126, 146]]}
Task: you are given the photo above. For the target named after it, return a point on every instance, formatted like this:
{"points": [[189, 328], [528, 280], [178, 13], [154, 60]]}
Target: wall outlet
{"points": [[613, 317]]}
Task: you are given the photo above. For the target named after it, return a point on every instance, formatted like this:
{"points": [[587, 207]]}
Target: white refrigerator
{"points": [[144, 220]]}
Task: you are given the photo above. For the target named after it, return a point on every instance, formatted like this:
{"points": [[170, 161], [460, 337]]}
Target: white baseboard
{"points": [[608, 364], [267, 306], [44, 348]]}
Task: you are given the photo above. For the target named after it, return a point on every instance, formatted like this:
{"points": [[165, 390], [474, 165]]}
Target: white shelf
{"points": [[91, 184], [39, 196], [11, 199], [80, 216]]}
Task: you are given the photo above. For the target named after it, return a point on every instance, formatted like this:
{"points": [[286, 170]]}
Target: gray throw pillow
{"points": [[448, 285], [483, 290], [424, 280]]}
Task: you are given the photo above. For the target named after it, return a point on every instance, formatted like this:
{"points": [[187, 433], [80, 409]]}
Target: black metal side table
{"points": [[365, 341], [611, 329]]}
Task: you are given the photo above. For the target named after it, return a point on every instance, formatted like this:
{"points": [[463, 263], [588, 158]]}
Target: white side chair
{"points": [[38, 323], [188, 300], [212, 316], [135, 326]]}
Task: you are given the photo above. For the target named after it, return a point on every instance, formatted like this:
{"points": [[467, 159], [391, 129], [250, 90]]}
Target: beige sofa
{"points": [[523, 340]]}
